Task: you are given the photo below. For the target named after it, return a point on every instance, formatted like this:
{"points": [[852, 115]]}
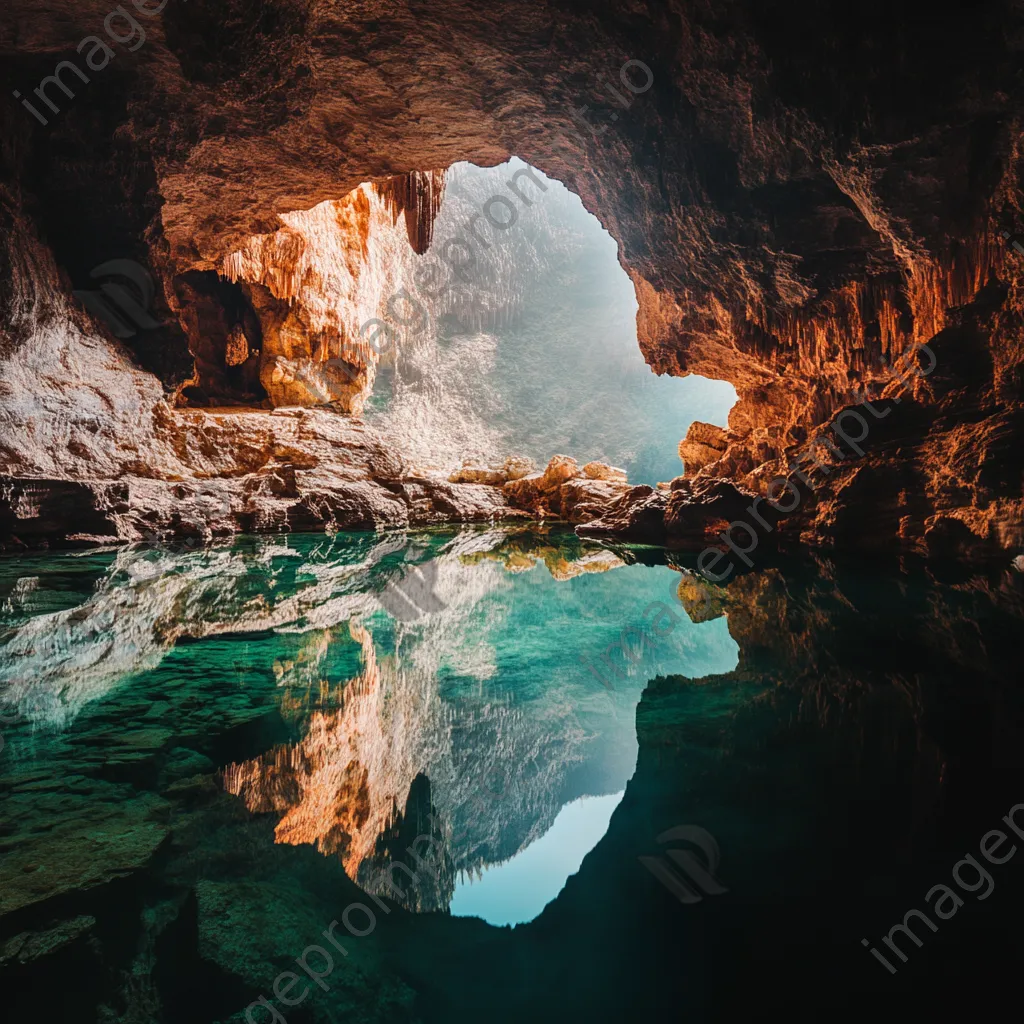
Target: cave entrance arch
{"points": [[535, 348], [472, 314]]}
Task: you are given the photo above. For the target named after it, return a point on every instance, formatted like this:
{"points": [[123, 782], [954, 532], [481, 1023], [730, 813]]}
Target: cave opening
{"points": [[531, 350], [469, 315], [344, 674]]}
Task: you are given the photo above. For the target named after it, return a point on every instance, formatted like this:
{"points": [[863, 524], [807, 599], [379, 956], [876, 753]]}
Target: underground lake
{"points": [[511, 512], [397, 775]]}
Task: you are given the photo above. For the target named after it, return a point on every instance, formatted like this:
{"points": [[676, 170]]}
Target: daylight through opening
{"points": [[529, 346]]}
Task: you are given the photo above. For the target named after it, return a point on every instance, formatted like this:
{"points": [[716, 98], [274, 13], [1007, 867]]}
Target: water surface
{"points": [[210, 755]]}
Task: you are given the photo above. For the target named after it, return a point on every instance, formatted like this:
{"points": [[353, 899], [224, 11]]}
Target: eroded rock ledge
{"points": [[226, 472]]}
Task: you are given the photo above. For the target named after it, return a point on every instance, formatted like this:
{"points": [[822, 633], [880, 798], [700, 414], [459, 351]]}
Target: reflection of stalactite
{"points": [[325, 785], [418, 195], [343, 785]]}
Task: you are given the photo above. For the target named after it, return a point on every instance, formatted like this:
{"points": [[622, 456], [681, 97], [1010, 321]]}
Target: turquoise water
{"points": [[462, 747], [518, 890]]}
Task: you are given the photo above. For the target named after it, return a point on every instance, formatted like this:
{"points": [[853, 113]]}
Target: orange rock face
{"points": [[341, 787], [318, 281], [792, 216]]}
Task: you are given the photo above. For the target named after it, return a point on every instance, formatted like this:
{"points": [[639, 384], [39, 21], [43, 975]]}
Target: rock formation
{"points": [[416, 195], [798, 194], [316, 282], [565, 491]]}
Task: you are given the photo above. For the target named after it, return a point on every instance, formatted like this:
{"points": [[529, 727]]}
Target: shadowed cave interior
{"points": [[347, 511]]}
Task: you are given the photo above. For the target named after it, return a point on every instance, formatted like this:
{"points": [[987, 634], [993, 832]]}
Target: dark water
{"points": [[459, 746]]}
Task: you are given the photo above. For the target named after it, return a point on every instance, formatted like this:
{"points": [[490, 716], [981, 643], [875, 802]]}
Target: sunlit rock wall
{"points": [[789, 213], [325, 274]]}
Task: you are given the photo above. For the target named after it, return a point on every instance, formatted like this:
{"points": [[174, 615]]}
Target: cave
{"points": [[510, 510]]}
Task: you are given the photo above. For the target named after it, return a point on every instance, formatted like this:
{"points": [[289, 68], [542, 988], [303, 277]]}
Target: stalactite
{"points": [[418, 195]]}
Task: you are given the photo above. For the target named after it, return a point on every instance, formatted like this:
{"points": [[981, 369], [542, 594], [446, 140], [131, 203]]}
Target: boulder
{"points": [[515, 467], [705, 508], [35, 945], [479, 473], [525, 492], [602, 471], [559, 469], [703, 445], [518, 466], [584, 499]]}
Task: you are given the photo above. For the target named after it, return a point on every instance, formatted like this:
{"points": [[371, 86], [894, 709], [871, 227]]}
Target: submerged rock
{"points": [[34, 945], [253, 931], [98, 837]]}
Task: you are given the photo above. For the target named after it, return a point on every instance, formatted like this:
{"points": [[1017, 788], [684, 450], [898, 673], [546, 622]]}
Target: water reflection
{"points": [[484, 694], [868, 736], [519, 889], [418, 674]]}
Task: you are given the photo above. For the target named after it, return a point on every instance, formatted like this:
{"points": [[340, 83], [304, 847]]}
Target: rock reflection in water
{"points": [[868, 735], [485, 699], [410, 674]]}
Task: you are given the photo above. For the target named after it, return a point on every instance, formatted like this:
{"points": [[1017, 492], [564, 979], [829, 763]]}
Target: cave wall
{"points": [[801, 191], [318, 280]]}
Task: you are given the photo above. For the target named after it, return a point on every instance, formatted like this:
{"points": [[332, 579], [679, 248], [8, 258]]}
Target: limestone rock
{"points": [[464, 503], [479, 474], [602, 471], [317, 281], [703, 445], [639, 515], [108, 835], [559, 469], [254, 931], [524, 492], [518, 466], [585, 499], [701, 511], [842, 234], [28, 946]]}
